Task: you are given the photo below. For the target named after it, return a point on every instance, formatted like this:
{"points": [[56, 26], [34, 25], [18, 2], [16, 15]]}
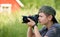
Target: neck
{"points": [[49, 24]]}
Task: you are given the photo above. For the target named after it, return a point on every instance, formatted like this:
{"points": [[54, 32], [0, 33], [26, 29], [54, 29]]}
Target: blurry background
{"points": [[11, 24]]}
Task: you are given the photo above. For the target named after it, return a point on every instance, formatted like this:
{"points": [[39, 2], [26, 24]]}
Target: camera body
{"points": [[34, 18]]}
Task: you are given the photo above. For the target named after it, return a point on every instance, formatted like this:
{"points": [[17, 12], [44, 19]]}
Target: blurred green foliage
{"points": [[39, 3]]}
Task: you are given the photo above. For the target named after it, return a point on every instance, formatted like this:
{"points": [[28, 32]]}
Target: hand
{"points": [[31, 23]]}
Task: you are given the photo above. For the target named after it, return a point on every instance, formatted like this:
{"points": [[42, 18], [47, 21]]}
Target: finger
{"points": [[29, 19]]}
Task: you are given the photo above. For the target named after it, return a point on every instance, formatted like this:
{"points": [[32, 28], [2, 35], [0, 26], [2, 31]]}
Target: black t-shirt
{"points": [[54, 31]]}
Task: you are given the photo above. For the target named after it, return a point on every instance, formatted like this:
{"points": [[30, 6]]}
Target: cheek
{"points": [[43, 20]]}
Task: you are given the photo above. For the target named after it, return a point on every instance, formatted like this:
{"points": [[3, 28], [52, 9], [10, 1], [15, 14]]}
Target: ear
{"points": [[50, 17]]}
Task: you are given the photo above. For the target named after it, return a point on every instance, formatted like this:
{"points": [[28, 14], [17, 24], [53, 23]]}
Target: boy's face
{"points": [[43, 19]]}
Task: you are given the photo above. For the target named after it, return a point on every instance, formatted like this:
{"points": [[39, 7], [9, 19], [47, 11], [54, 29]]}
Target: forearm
{"points": [[36, 32], [29, 32]]}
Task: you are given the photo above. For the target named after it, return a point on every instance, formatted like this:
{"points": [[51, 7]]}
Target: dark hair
{"points": [[47, 10], [54, 20]]}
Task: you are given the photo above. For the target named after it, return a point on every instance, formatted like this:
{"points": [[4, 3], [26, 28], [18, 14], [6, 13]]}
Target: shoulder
{"points": [[56, 25], [54, 30]]}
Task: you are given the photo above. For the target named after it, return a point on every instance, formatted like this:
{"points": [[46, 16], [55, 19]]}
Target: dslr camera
{"points": [[33, 17]]}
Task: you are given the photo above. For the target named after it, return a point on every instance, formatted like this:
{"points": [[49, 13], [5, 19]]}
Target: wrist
{"points": [[33, 26], [29, 27]]}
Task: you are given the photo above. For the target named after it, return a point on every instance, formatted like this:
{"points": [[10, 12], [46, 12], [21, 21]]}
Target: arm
{"points": [[29, 32], [37, 34]]}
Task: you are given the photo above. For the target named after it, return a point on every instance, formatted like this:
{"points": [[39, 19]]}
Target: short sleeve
{"points": [[51, 32]]}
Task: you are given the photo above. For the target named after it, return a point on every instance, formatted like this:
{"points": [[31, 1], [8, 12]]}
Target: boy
{"points": [[47, 18]]}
